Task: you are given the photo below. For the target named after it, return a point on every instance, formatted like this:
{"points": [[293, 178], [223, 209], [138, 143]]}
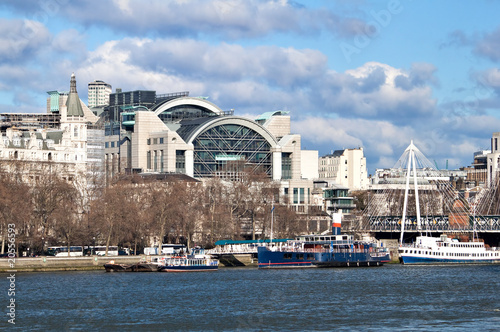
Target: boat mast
{"points": [[272, 219]]}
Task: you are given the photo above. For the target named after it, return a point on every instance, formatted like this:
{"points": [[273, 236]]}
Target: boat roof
{"points": [[224, 242]]}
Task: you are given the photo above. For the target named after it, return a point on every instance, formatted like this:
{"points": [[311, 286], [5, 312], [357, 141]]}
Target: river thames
{"points": [[392, 297]]}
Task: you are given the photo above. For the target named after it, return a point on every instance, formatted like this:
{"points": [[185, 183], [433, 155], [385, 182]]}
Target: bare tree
{"points": [[48, 193], [15, 206], [67, 219]]}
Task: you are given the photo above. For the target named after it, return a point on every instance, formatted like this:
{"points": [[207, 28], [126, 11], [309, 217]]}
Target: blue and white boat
{"points": [[197, 261], [443, 250], [334, 250]]}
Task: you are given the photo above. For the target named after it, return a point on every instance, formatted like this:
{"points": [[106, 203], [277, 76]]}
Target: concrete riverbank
{"points": [[49, 263]]}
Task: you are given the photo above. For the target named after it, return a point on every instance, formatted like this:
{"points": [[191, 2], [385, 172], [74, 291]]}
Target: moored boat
{"points": [[336, 250], [141, 266], [197, 261], [443, 250], [239, 252]]}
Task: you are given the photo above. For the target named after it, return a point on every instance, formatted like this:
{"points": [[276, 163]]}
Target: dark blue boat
{"points": [[334, 250]]}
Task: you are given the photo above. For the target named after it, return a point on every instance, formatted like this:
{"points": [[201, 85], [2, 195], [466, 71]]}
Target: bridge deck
{"points": [[435, 224]]}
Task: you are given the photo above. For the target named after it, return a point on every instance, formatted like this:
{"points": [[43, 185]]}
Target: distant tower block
{"points": [[98, 93]]}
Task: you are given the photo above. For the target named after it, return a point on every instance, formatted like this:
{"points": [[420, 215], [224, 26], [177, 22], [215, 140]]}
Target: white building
{"points": [[98, 93], [346, 167], [62, 142], [493, 160]]}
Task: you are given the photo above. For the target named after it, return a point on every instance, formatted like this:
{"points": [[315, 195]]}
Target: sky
{"points": [[352, 73]]}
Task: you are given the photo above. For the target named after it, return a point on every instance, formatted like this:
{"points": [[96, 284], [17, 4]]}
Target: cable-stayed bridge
{"points": [[428, 201]]}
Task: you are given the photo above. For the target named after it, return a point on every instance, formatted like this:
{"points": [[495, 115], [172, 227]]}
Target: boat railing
{"points": [[329, 250], [232, 250]]}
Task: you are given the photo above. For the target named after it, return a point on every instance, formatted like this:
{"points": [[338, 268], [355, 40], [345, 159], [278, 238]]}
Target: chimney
{"points": [[336, 223]]}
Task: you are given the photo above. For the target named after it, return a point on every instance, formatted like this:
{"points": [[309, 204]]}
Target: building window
{"points": [[155, 162], [148, 166], [161, 140], [286, 166], [301, 198], [295, 195], [155, 140], [180, 161], [161, 161]]}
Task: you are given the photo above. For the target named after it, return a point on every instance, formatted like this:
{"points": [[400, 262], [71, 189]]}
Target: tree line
{"points": [[137, 211]]}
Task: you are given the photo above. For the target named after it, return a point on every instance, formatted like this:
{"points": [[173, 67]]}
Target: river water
{"points": [[392, 297]]}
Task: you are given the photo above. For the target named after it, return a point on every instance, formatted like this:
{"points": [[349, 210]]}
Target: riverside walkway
{"points": [[49, 263]]}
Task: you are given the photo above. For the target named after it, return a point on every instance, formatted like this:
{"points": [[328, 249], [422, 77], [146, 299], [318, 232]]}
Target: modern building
{"points": [[346, 167], [477, 174], [67, 138], [98, 93], [192, 136]]}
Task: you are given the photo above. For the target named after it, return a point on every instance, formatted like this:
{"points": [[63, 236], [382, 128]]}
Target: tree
{"points": [[217, 205], [15, 206], [158, 199], [186, 212], [48, 192], [112, 214], [286, 222]]}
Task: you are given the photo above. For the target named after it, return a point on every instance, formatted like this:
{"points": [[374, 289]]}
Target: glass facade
{"points": [[226, 147]]}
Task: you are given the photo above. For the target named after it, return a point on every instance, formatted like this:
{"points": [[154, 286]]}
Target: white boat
{"points": [[443, 250], [197, 261]]}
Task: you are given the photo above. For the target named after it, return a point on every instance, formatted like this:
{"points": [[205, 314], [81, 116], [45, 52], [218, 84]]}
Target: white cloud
{"points": [[20, 39]]}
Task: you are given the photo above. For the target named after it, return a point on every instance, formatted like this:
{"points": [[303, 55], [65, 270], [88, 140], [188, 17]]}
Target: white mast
{"points": [[403, 220], [411, 159], [272, 219]]}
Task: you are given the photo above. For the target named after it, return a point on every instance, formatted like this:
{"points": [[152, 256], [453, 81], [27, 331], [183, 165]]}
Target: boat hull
{"points": [[139, 267], [187, 268], [292, 259], [415, 260]]}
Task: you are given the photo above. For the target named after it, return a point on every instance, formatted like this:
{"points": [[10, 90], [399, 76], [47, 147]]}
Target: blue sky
{"points": [[371, 74]]}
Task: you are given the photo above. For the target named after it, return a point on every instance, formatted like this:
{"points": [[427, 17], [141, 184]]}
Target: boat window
{"points": [[300, 256]]}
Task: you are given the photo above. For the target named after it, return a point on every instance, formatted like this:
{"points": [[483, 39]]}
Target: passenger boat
{"points": [[239, 252], [197, 261], [443, 250], [334, 250]]}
